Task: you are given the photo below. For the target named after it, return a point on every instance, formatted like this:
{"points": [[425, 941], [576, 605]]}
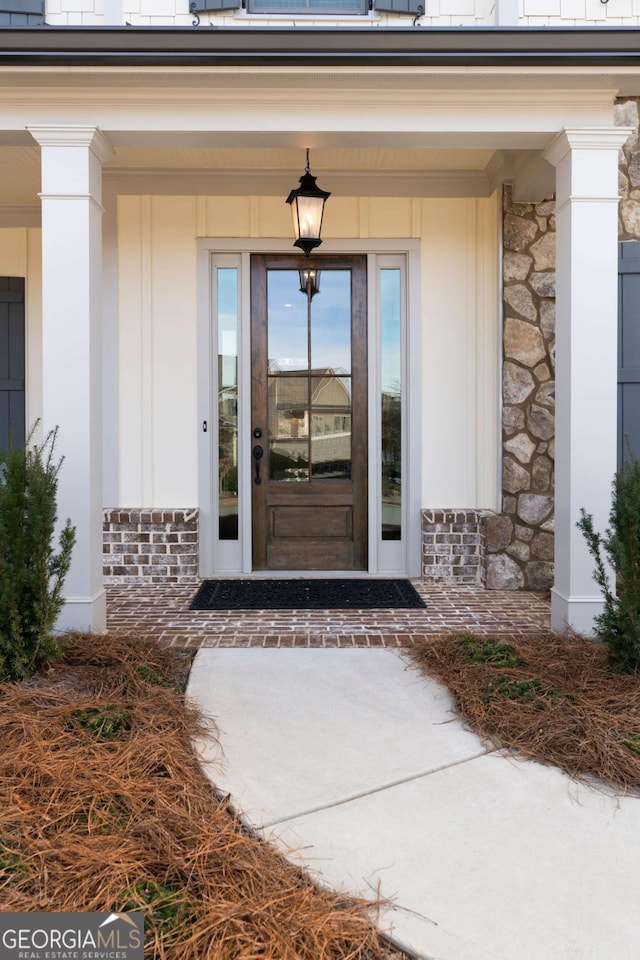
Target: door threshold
{"points": [[319, 574]]}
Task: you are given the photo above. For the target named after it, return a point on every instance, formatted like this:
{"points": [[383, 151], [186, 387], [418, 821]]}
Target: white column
{"points": [[586, 163], [72, 158]]}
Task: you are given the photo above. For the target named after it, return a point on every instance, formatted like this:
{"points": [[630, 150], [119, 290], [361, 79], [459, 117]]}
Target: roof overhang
{"points": [[600, 47]]}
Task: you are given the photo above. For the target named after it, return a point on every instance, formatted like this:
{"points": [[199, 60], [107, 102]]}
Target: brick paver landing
{"points": [[162, 611]]}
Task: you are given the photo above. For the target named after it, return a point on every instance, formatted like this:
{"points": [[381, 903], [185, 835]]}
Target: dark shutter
{"points": [[628, 348], [21, 13], [12, 353], [413, 8], [203, 6]]}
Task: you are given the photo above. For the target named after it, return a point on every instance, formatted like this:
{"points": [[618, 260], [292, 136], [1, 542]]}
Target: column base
{"points": [[84, 614], [574, 614]]}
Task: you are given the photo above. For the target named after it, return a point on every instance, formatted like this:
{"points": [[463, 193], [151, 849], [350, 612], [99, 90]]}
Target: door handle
{"points": [[257, 453]]}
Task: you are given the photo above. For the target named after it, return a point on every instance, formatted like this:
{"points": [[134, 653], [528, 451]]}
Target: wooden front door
{"points": [[309, 413]]}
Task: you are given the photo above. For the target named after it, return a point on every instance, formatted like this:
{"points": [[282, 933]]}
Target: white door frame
{"points": [[399, 558]]}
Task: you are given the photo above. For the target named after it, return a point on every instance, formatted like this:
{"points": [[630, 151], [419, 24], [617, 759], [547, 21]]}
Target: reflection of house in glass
{"points": [[228, 448], [391, 463], [309, 424]]}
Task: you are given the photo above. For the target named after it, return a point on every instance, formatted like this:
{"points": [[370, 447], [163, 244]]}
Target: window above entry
{"points": [[311, 7], [318, 7], [20, 13]]}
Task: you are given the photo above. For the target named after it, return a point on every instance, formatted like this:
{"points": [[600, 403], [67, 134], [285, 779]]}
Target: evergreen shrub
{"points": [[31, 571], [619, 623]]}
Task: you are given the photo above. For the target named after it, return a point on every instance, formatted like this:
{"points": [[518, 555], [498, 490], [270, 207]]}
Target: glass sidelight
{"points": [[309, 377], [391, 402]]}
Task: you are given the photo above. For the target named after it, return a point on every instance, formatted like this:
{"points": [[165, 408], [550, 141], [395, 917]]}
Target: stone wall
{"points": [[519, 541], [626, 114], [156, 546]]}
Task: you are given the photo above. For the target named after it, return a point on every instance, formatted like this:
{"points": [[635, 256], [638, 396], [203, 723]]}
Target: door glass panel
{"points": [[288, 399], [287, 334], [227, 310], [391, 381], [331, 323], [331, 427], [309, 364]]}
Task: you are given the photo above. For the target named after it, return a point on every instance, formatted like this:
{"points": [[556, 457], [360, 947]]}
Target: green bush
{"points": [[31, 573], [619, 623]]}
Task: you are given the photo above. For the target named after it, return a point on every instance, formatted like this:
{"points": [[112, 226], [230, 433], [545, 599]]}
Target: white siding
{"points": [[161, 13], [157, 351], [579, 13], [460, 329], [438, 13]]}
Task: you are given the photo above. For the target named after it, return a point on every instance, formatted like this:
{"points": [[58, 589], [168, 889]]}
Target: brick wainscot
{"points": [[156, 546]]}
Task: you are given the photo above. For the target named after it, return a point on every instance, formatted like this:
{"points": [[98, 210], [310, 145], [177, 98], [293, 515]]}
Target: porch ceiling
{"points": [[272, 171]]}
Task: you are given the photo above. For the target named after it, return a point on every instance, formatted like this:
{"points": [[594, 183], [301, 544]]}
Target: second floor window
{"points": [[301, 7], [337, 7]]}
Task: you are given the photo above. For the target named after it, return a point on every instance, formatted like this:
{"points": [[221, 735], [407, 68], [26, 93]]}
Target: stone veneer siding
{"points": [[453, 546], [626, 114], [519, 541], [155, 546]]}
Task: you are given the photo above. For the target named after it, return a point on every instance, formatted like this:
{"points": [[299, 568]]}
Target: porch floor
{"points": [[162, 611]]}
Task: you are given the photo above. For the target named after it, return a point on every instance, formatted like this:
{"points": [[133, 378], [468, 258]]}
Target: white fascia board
{"points": [[345, 114]]}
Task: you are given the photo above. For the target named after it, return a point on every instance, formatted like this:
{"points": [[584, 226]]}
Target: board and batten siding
{"points": [[157, 333]]}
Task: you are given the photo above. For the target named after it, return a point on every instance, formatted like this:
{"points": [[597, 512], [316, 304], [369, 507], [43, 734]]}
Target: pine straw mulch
{"points": [[553, 700], [103, 806]]}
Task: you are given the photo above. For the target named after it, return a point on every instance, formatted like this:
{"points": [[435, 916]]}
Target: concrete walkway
{"points": [[356, 765]]}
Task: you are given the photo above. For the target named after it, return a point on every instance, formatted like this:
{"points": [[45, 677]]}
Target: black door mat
{"points": [[312, 594]]}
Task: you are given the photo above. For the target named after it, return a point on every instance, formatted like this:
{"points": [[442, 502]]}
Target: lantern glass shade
{"points": [[307, 208], [308, 217]]}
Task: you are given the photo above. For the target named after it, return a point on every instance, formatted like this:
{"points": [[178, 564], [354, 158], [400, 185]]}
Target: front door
{"points": [[309, 412]]}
